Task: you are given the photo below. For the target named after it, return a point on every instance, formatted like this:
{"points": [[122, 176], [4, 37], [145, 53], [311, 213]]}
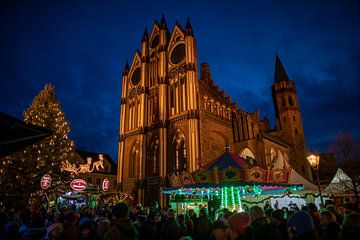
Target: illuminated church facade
{"points": [[173, 117]]}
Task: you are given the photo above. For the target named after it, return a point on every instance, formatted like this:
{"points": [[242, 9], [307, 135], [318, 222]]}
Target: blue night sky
{"points": [[81, 48]]}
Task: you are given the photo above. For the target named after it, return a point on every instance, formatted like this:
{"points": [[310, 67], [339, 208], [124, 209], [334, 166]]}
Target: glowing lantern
{"points": [[78, 185], [105, 184], [45, 181]]}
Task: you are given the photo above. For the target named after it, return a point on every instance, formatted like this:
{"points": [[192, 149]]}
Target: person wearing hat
{"points": [[301, 226], [54, 231]]}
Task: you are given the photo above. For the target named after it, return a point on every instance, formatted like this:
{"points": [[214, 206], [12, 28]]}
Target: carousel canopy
{"points": [[226, 160], [231, 171]]}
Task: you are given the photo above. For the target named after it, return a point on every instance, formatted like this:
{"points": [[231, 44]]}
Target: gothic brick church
{"points": [[174, 117]]}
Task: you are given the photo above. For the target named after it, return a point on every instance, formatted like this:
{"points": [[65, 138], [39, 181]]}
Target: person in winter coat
{"points": [[330, 228], [103, 224], [351, 227], [171, 227], [240, 226], [301, 227], [279, 223], [148, 229], [183, 230], [202, 226], [54, 231], [262, 226], [121, 228]]}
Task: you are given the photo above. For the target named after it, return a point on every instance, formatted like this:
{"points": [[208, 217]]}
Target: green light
{"points": [[239, 200], [232, 198], [226, 197], [222, 197]]}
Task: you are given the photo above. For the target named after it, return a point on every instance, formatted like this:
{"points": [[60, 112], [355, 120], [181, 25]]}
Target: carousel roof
{"points": [[226, 160]]}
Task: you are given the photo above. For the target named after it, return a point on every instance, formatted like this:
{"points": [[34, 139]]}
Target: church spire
{"points": [[163, 22], [188, 28], [280, 74], [126, 68], [145, 37]]}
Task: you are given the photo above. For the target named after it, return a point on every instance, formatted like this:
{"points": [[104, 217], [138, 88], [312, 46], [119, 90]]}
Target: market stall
{"points": [[227, 182]]}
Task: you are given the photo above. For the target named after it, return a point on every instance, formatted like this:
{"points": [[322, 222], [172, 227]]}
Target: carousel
{"points": [[228, 181]]}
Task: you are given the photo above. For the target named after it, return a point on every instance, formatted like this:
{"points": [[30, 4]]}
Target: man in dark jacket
{"points": [[171, 227], [202, 226], [261, 225], [121, 227]]}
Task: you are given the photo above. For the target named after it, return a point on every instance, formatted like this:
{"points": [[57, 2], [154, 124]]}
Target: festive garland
{"points": [[285, 194]]}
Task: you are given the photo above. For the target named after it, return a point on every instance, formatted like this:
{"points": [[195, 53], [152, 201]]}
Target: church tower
{"points": [[288, 118], [159, 120]]}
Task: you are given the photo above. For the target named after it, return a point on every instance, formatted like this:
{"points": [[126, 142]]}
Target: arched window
{"points": [[134, 158], [177, 161], [153, 156], [291, 102], [180, 162], [282, 102]]}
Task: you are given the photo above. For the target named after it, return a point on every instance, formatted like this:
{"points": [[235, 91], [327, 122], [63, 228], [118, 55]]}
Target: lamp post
{"points": [[314, 161]]}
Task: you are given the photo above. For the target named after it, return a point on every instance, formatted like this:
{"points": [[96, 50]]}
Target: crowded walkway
{"points": [[124, 222]]}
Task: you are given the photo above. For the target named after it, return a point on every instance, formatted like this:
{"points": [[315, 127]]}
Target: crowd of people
{"points": [[124, 222]]}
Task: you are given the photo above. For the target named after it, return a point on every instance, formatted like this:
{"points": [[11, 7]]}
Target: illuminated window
{"points": [[132, 163]]}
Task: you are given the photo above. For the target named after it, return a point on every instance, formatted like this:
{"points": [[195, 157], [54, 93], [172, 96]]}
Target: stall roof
{"points": [[15, 134]]}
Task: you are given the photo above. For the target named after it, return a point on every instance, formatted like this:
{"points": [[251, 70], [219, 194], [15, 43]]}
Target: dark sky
{"points": [[81, 48]]}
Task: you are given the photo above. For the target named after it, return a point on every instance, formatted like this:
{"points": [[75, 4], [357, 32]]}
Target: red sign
{"points": [[78, 185], [45, 181], [105, 184]]}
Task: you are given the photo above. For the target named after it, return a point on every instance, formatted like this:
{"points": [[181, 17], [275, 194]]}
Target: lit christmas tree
{"points": [[22, 171]]}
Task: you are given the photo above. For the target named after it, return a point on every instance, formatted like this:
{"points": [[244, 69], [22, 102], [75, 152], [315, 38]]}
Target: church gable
{"points": [[154, 36], [177, 36]]}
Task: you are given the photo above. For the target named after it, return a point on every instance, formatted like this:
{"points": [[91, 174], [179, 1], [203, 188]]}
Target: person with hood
{"points": [[121, 228], [301, 227]]}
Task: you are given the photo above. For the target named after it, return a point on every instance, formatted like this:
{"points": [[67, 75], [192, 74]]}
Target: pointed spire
{"points": [[145, 37], [280, 74], [163, 22], [126, 68], [188, 28]]}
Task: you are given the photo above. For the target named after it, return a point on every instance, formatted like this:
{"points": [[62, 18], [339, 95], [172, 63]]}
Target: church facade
{"points": [[174, 117]]}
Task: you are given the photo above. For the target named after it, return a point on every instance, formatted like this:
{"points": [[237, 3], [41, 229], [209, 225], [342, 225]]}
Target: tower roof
{"points": [[188, 28], [280, 73], [163, 22], [126, 68], [145, 36]]}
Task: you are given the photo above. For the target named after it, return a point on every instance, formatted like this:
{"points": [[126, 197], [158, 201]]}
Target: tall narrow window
{"points": [[291, 103], [282, 102], [181, 156], [132, 163]]}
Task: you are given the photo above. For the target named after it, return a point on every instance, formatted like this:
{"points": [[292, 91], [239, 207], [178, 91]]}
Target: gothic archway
{"points": [[178, 159]]}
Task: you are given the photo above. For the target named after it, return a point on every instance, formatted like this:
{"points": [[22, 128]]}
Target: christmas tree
{"points": [[21, 172]]}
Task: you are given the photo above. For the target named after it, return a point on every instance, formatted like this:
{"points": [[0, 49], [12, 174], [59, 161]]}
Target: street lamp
{"points": [[314, 161]]}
